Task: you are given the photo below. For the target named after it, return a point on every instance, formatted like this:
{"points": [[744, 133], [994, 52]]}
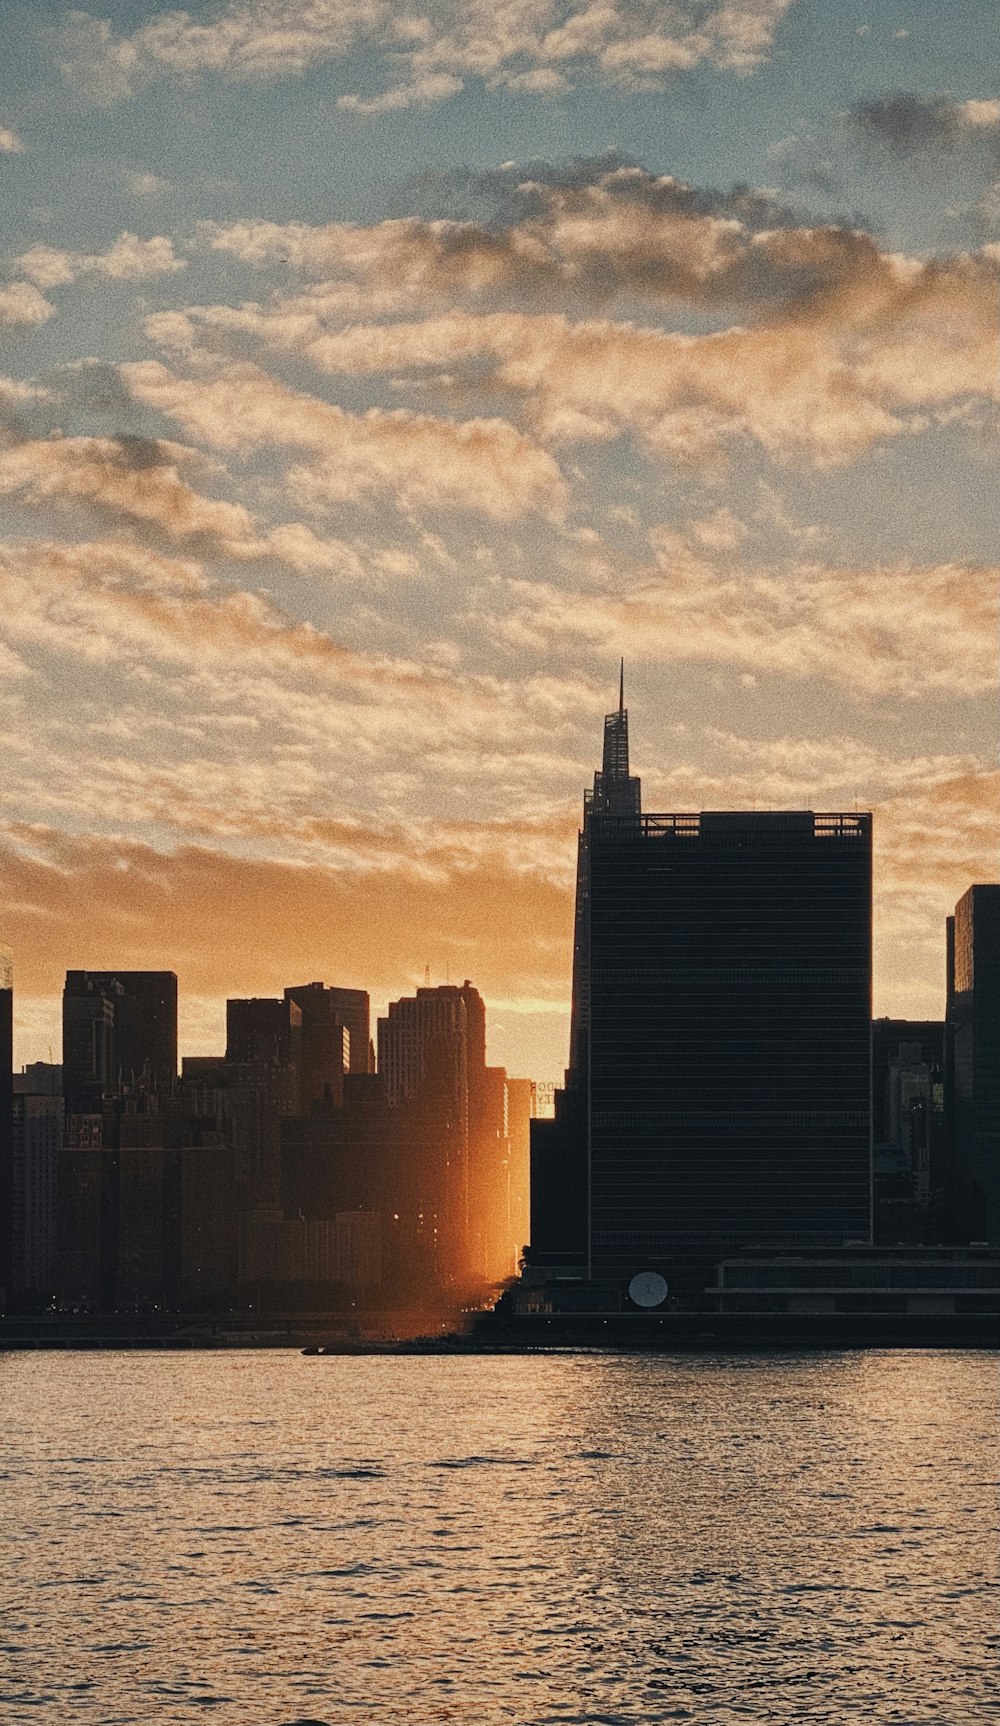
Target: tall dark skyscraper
{"points": [[974, 1055], [719, 1089], [6, 1120]]}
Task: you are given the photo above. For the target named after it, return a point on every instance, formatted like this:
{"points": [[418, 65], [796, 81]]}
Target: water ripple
{"points": [[267, 1540]]}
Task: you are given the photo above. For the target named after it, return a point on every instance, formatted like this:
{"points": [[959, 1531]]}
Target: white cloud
{"points": [[426, 56], [10, 143], [21, 303], [128, 259]]}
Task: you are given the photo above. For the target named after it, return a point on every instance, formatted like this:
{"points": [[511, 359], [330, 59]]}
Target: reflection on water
{"points": [[258, 1538]]}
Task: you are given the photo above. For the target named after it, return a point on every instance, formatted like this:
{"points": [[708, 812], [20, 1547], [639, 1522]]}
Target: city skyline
{"points": [[370, 383]]}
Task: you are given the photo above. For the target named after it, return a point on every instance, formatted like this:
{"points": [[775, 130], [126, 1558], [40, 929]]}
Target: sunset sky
{"points": [[374, 374]]}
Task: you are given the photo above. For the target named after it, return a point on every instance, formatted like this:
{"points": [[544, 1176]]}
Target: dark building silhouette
{"points": [[6, 1123], [910, 1147], [265, 1037], [453, 1124], [325, 1043], [423, 1061], [353, 1009], [973, 1087], [37, 1145], [118, 1026], [719, 1089], [90, 1066]]}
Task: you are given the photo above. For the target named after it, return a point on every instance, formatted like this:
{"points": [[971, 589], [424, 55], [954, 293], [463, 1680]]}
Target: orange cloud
{"points": [[874, 631], [841, 344], [478, 464]]}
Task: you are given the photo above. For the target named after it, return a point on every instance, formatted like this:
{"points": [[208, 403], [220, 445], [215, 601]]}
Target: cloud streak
{"points": [[425, 55], [839, 345], [880, 631], [483, 465]]}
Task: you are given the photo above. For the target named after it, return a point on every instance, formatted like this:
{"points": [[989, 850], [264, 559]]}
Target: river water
{"points": [[257, 1538]]}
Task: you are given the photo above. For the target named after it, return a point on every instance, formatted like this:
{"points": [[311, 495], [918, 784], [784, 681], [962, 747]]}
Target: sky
{"points": [[374, 374]]}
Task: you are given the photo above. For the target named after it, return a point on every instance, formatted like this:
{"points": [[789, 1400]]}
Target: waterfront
{"points": [[258, 1539]]}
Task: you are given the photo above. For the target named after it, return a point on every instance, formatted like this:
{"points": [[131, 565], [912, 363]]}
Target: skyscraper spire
{"points": [[615, 791]]}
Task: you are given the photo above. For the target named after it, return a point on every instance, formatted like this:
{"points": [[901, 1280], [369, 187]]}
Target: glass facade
{"points": [[728, 1061]]}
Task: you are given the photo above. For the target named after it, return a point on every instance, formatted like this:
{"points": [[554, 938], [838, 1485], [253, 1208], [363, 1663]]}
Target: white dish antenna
{"points": [[647, 1288]]}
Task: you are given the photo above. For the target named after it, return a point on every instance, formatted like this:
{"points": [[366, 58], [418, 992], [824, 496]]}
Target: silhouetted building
{"points": [[209, 1227], [90, 1066], [266, 1035], [38, 1131], [910, 1163], [325, 1043], [354, 1011], [6, 1121], [519, 1104], [118, 1027], [719, 1091], [973, 1017], [423, 1062]]}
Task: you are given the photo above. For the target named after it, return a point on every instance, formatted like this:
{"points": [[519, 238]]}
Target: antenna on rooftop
{"points": [[621, 688]]}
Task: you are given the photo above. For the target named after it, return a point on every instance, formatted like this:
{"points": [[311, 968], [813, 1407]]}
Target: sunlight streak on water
{"points": [[257, 1539]]}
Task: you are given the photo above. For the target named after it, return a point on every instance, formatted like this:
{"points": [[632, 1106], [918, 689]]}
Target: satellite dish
{"points": [[648, 1288]]}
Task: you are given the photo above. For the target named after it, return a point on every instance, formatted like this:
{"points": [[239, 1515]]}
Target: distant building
{"points": [[38, 1132], [117, 1027], [454, 1116], [266, 1035], [423, 1062], [326, 1043], [973, 1017], [719, 1089], [353, 1008], [911, 1162], [39, 1079]]}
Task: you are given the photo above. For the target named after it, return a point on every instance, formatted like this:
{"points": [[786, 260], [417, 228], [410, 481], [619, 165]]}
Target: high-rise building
{"points": [[326, 1043], [423, 1045], [910, 1151], [118, 1027], [432, 1060], [89, 1056], [6, 1122], [265, 1036], [719, 1089], [353, 1009], [38, 1132], [973, 1087]]}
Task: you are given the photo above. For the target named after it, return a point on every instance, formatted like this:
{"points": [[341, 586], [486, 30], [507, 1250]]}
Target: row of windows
{"points": [[893, 1276], [733, 1121]]}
